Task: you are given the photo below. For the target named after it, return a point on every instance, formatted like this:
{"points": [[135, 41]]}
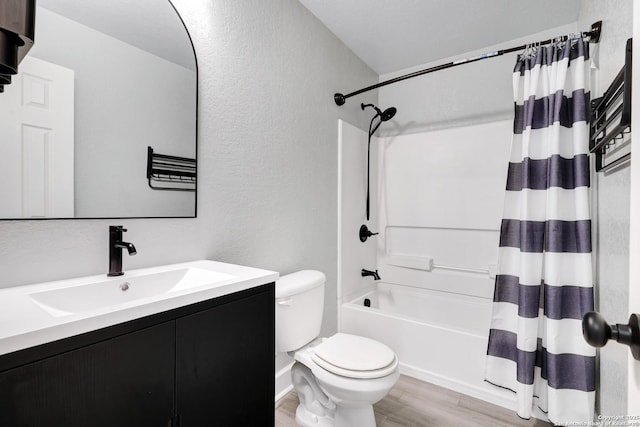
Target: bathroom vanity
{"points": [[202, 356]]}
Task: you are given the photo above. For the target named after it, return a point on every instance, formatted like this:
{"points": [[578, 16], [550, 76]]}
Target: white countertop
{"points": [[24, 323]]}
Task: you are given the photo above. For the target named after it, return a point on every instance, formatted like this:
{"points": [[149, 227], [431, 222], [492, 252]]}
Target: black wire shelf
{"points": [[611, 119], [175, 173]]}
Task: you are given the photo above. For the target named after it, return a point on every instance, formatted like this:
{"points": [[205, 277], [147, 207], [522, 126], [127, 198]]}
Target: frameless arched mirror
{"points": [[100, 121]]}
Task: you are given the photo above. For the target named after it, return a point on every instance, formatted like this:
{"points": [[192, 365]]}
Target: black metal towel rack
{"points": [[178, 173], [611, 117]]}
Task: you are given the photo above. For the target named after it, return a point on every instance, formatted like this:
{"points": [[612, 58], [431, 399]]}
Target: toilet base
{"points": [[343, 417], [361, 416], [317, 409]]}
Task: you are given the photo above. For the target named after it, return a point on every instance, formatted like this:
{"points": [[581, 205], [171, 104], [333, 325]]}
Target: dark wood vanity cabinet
{"points": [[207, 364], [126, 380], [238, 387]]}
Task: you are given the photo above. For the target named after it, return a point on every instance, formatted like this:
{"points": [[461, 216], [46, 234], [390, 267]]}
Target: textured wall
{"points": [[633, 396], [611, 208], [267, 155], [469, 94]]}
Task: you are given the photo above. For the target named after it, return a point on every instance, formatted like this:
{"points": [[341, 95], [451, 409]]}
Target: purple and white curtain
{"points": [[544, 283]]}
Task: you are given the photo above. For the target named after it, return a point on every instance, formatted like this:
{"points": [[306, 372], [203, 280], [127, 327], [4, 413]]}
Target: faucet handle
{"points": [[117, 228], [365, 233]]}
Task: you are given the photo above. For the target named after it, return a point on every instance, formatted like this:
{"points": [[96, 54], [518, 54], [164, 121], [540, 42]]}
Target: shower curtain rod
{"points": [[340, 99]]}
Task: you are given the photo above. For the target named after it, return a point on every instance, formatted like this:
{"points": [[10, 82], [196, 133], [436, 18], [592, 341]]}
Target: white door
{"points": [[633, 384], [36, 142]]}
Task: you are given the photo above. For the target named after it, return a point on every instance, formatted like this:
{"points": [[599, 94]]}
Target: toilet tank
{"points": [[299, 305]]}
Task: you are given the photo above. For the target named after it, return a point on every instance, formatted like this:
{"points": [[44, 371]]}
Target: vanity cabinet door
{"points": [[225, 364], [124, 381]]}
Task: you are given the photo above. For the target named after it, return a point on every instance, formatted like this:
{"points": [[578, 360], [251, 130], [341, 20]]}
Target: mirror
{"points": [[105, 83]]}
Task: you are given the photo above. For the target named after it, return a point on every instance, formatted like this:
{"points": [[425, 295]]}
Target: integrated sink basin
{"points": [[35, 314], [122, 290]]}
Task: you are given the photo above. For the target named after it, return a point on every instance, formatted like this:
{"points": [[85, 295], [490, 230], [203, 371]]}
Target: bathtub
{"points": [[439, 337]]}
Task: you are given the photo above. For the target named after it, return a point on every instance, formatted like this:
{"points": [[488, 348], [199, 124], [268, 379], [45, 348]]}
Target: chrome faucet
{"points": [[366, 273], [116, 245]]}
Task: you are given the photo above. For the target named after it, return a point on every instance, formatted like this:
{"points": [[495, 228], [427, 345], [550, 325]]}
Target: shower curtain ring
{"points": [[527, 51]]}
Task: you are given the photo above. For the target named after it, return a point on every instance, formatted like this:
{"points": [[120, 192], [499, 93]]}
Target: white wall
{"points": [[112, 131], [479, 92], [633, 390], [611, 209], [267, 154]]}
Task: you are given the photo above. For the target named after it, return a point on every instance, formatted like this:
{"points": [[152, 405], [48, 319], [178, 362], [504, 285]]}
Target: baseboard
{"points": [[283, 393], [496, 397], [283, 381]]}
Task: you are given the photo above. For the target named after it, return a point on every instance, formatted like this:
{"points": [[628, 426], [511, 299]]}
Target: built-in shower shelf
{"points": [[611, 120], [426, 263], [407, 261]]}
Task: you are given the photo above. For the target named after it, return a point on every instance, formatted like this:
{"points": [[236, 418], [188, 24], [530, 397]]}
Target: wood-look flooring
{"points": [[415, 403]]}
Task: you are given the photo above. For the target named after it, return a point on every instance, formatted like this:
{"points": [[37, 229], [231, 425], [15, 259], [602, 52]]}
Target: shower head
{"points": [[388, 114]]}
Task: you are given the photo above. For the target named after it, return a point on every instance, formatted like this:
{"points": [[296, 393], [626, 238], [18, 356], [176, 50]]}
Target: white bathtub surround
{"points": [[429, 183], [544, 283]]}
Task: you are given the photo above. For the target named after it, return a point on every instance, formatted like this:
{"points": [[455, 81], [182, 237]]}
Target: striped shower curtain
{"points": [[544, 283]]}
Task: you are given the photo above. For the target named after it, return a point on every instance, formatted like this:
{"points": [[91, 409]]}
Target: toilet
{"points": [[339, 378]]}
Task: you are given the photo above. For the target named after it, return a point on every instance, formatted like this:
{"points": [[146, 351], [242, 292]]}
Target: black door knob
{"points": [[595, 329], [597, 332]]}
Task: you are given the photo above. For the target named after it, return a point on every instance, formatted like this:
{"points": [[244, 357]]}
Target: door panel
{"points": [[36, 144]]}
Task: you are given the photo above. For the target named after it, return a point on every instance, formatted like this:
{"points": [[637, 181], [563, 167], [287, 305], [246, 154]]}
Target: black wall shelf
{"points": [[176, 173], [611, 117]]}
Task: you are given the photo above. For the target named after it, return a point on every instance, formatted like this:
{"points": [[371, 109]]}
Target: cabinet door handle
{"points": [[286, 302]]}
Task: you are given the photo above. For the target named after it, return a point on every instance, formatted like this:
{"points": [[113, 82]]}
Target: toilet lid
{"points": [[354, 356]]}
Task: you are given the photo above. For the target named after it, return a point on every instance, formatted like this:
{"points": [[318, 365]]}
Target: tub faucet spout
{"points": [[374, 274]]}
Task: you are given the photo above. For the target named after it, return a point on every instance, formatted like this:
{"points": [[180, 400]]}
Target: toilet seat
{"points": [[355, 357]]}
